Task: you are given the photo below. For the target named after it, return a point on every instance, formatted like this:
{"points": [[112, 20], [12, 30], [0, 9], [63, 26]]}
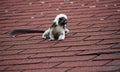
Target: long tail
{"points": [[25, 31]]}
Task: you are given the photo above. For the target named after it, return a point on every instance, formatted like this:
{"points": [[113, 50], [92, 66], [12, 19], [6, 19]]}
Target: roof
{"points": [[93, 44]]}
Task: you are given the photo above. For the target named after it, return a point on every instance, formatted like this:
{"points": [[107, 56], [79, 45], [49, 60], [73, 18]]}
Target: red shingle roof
{"points": [[93, 44]]}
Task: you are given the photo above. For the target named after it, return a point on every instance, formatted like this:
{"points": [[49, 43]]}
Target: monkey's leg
{"points": [[46, 34], [51, 36], [62, 36]]}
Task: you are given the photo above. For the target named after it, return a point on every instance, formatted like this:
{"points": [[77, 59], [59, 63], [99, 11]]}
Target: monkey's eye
{"points": [[60, 19]]}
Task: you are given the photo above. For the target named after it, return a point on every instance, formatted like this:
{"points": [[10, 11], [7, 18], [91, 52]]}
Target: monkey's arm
{"points": [[24, 31]]}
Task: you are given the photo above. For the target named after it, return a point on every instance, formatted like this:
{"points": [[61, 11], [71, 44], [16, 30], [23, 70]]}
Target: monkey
{"points": [[56, 31]]}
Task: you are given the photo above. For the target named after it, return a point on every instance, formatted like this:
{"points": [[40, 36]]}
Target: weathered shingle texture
{"points": [[93, 44]]}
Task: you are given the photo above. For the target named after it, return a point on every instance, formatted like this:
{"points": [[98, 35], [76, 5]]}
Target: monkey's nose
{"points": [[65, 21]]}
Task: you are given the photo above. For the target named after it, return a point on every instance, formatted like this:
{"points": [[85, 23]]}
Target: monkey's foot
{"points": [[60, 39], [44, 37], [51, 39], [13, 36]]}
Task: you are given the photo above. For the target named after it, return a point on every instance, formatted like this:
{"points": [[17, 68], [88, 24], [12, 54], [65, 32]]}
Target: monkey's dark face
{"points": [[62, 21]]}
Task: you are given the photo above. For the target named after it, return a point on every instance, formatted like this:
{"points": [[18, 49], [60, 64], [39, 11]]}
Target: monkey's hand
{"points": [[67, 30]]}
